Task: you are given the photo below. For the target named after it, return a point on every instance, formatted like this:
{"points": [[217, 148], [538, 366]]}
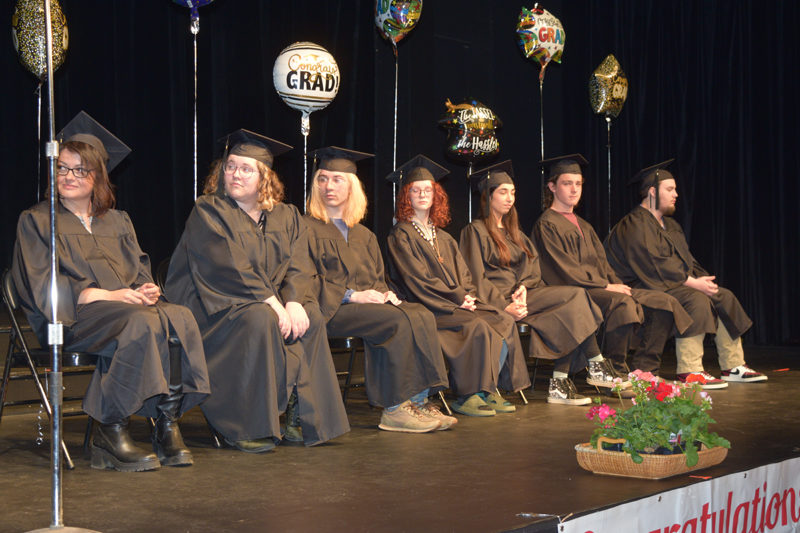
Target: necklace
{"points": [[429, 237]]}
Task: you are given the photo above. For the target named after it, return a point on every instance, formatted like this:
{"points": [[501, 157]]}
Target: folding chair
{"points": [[21, 355]]}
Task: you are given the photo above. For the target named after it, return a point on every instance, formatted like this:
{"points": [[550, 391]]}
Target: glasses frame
{"points": [[66, 170]]}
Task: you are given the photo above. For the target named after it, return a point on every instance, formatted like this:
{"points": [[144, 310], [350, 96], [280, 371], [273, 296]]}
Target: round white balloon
{"points": [[306, 77]]}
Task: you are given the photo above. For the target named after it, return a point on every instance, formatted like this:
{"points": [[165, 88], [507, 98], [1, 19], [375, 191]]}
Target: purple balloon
{"points": [[193, 5]]}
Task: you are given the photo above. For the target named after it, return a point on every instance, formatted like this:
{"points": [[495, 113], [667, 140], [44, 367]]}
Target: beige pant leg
{"points": [[689, 351], [730, 350]]}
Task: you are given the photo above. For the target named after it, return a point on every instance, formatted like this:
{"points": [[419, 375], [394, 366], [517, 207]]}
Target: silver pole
{"points": [[54, 331]]}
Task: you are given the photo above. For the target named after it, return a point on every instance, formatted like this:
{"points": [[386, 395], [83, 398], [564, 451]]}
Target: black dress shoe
{"points": [[113, 447]]}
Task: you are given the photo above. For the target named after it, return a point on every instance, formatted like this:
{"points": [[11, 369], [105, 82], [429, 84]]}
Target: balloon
{"points": [[28, 34], [540, 36], [608, 88], [306, 77], [193, 5], [472, 128], [395, 18]]}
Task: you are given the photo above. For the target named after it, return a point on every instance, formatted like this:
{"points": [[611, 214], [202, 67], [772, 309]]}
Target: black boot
{"points": [[167, 440], [294, 433], [113, 447]]}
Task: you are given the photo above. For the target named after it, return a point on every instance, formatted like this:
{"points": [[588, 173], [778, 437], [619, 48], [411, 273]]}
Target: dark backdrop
{"points": [[712, 83]]}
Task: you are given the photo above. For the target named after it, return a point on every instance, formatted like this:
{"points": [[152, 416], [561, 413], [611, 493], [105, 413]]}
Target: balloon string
{"points": [[541, 123], [394, 145], [469, 193], [195, 112], [608, 146], [305, 127], [38, 92]]}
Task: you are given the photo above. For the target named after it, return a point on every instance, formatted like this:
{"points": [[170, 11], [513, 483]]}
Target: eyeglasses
{"points": [[79, 172], [244, 172], [416, 191]]}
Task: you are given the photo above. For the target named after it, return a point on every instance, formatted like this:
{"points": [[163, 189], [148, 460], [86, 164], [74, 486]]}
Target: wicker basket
{"points": [[609, 463]]}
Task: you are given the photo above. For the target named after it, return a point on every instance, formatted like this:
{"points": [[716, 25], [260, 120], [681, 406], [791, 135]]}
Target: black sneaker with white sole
{"points": [[563, 391]]}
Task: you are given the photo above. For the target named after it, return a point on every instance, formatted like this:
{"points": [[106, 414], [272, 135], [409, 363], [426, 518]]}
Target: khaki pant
{"points": [[689, 351]]}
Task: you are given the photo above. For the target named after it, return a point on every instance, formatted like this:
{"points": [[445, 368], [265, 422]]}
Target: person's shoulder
{"points": [[477, 225], [401, 227]]}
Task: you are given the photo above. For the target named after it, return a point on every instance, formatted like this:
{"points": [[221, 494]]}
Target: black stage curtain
{"points": [[712, 84]]}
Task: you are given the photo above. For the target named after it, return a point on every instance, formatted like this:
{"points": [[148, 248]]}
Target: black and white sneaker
{"points": [[602, 374], [562, 390], [743, 374]]}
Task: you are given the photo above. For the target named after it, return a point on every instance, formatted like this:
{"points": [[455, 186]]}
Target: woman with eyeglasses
{"points": [[242, 267], [480, 342], [109, 305]]}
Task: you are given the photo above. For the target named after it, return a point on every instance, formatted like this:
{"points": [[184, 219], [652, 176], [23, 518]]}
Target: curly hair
{"points": [[511, 225], [270, 188], [102, 190], [439, 214]]}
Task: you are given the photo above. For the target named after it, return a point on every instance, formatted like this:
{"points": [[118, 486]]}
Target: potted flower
{"points": [[665, 419]]}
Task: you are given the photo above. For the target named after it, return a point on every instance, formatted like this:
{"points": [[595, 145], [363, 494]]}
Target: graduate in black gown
{"points": [[403, 359], [648, 249], [505, 269], [109, 305], [572, 254], [480, 341], [242, 267]]}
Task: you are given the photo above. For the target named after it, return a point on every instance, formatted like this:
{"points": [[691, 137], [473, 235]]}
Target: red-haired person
{"points": [[109, 305], [505, 269], [480, 342]]}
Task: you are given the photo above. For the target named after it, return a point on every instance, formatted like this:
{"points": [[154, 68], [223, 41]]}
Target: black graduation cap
{"points": [[247, 143], [338, 159], [494, 176], [418, 168], [85, 129], [651, 176], [564, 164]]}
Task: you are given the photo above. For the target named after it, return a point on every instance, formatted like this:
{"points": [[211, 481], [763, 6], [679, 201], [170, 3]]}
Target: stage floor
{"points": [[493, 474]]}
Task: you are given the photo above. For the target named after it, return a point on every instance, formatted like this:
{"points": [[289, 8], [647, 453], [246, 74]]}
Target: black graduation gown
{"points": [[560, 317], [646, 255], [401, 347], [471, 340], [223, 269], [132, 340]]}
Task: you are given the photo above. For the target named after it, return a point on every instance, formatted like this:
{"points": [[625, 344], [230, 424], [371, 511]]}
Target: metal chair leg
{"points": [[444, 402], [524, 399], [349, 377]]}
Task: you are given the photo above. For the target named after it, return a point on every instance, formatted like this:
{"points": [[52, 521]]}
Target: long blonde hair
{"points": [[355, 206], [270, 188]]}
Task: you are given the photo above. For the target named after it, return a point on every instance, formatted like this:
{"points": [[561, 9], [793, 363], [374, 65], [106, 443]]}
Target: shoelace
{"points": [[414, 411]]}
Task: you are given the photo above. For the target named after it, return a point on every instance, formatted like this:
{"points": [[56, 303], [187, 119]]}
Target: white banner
{"points": [[765, 499]]}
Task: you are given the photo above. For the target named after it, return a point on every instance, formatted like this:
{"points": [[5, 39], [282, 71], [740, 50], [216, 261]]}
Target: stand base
{"points": [[65, 529]]}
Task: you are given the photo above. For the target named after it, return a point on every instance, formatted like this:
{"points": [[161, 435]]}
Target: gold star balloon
{"points": [[608, 88], [28, 34]]}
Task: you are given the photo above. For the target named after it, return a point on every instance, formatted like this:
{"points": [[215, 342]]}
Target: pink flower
{"points": [[604, 412]]}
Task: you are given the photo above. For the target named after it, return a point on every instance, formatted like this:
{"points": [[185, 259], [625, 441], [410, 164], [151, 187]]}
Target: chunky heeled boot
{"points": [[167, 440], [113, 447]]}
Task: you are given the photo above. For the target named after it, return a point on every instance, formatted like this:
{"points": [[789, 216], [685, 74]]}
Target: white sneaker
{"points": [[432, 411], [407, 419], [743, 374]]}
